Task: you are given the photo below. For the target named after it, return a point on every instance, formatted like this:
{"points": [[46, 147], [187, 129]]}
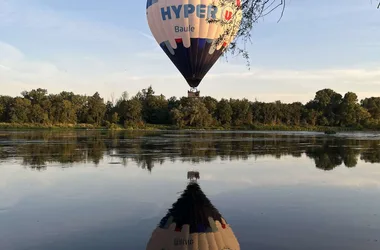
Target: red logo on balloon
{"points": [[228, 15]]}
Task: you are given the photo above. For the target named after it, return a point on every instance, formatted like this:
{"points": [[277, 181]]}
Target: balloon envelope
{"points": [[193, 223], [194, 33]]}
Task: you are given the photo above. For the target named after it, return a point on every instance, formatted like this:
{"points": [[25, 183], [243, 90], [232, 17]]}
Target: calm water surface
{"points": [[108, 190]]}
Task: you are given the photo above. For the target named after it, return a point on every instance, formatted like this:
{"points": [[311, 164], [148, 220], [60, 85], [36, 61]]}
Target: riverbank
{"points": [[23, 126]]}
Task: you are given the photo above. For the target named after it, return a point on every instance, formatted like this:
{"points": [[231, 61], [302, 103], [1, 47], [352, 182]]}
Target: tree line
{"points": [[327, 109]]}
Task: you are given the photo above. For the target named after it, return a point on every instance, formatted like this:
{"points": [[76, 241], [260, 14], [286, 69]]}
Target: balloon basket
{"points": [[193, 93], [193, 176]]}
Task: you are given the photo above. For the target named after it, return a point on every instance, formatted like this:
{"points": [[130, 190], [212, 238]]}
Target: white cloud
{"points": [[88, 74], [9, 53], [4, 67], [150, 37]]}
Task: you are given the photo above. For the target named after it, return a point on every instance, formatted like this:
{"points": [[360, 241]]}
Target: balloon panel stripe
{"points": [[193, 63], [150, 3]]}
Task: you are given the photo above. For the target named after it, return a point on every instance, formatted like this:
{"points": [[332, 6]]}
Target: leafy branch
{"points": [[251, 12]]}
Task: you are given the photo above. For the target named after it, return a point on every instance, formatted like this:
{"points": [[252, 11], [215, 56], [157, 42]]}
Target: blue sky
{"points": [[106, 46]]}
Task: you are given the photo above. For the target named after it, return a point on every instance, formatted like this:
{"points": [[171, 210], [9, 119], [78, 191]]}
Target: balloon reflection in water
{"points": [[193, 223]]}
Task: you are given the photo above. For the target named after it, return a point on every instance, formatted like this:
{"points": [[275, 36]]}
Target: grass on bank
{"points": [[143, 126]]}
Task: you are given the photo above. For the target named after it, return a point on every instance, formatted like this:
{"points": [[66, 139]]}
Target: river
{"points": [[100, 190]]}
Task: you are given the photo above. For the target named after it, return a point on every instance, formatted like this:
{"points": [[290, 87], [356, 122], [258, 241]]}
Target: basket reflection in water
{"points": [[193, 223]]}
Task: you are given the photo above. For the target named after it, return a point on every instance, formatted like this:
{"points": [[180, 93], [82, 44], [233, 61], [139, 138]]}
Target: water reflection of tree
{"points": [[39, 149], [333, 153], [372, 152]]}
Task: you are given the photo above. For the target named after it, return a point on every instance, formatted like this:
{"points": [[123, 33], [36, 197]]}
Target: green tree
{"points": [[241, 112], [5, 104], [155, 109], [211, 104], [173, 102], [351, 112], [257, 112], [35, 96], [68, 113], [96, 109], [80, 104], [373, 106], [295, 113], [38, 114], [115, 118], [177, 117], [194, 114], [312, 116], [348, 109], [224, 112], [270, 113], [328, 102], [39, 110], [20, 110], [328, 108], [132, 111]]}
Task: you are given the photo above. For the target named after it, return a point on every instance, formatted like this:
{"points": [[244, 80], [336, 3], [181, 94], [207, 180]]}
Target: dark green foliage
{"points": [[224, 112], [193, 113], [327, 109], [372, 105], [96, 109], [241, 112]]}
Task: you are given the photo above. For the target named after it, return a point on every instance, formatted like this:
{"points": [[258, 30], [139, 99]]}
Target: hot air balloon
{"points": [[193, 223], [194, 33]]}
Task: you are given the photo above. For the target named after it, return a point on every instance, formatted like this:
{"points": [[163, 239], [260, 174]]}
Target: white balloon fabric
{"points": [[193, 223], [194, 33]]}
